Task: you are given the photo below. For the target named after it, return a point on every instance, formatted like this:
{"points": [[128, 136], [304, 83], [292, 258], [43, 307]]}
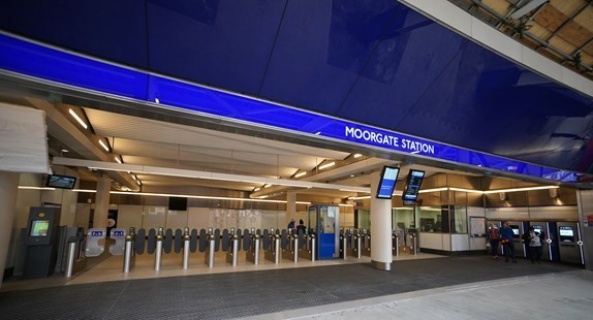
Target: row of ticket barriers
{"points": [[276, 244]]}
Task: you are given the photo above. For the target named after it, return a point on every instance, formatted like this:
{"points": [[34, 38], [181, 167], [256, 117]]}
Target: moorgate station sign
{"points": [[35, 62]]}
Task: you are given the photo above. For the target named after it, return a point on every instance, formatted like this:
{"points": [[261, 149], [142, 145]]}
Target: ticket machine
{"points": [[542, 228], [569, 242], [41, 241]]}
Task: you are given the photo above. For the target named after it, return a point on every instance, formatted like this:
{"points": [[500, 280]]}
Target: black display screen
{"points": [[177, 204], [387, 182], [413, 183], [61, 182]]}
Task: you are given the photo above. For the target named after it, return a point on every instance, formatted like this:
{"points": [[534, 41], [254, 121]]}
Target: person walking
{"points": [[508, 246], [493, 237]]}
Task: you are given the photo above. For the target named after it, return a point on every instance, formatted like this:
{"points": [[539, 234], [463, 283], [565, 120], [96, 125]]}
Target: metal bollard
{"points": [[158, 254], [313, 248], [128, 255], [210, 255], [344, 246], [253, 253], [185, 252], [232, 258], [71, 258]]}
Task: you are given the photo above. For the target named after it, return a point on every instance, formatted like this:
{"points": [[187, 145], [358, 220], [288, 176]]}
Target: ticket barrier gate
{"points": [[395, 235], [355, 245], [306, 245], [344, 236], [272, 246], [290, 246], [366, 243], [209, 243], [251, 244], [231, 244], [410, 242]]}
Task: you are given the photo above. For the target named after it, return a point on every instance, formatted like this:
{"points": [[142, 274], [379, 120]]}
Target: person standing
{"points": [[508, 246], [535, 246], [493, 236], [291, 224], [301, 227]]}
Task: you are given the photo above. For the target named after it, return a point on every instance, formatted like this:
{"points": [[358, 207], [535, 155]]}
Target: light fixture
{"points": [[148, 194], [433, 190], [267, 185], [300, 174], [357, 155], [138, 182], [104, 145], [78, 119], [256, 189], [327, 165], [117, 158], [521, 189], [359, 198]]}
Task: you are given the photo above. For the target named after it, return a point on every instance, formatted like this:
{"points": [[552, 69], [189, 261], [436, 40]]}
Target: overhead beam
{"points": [[174, 172]]}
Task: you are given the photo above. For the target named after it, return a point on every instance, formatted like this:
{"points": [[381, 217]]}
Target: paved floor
{"points": [[439, 288]]}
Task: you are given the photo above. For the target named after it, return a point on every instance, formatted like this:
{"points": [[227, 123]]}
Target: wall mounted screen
{"points": [[413, 183], [387, 182], [177, 204], [59, 181]]}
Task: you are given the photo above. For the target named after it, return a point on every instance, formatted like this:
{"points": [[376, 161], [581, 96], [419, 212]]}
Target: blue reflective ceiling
{"points": [[374, 62]]}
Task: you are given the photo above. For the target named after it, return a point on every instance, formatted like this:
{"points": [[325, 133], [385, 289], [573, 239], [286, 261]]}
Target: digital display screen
{"points": [[515, 230], [566, 232], [39, 228], [61, 182], [387, 182], [537, 229], [413, 183]]}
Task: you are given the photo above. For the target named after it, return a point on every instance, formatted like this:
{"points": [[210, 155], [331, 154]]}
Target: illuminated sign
{"points": [[119, 82]]}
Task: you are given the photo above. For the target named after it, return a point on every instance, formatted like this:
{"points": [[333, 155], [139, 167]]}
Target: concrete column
{"points": [[381, 255], [102, 203], [290, 206], [9, 182]]}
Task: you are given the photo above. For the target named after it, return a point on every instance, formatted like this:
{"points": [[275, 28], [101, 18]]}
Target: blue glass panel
{"points": [[225, 44], [109, 29], [49, 64]]}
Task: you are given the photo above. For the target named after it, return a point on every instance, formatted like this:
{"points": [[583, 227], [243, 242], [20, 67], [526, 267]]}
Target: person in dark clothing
{"points": [[291, 224], [508, 246], [301, 226], [493, 236]]}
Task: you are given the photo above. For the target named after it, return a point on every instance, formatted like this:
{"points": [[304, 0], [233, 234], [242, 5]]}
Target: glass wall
{"points": [[403, 218], [442, 219]]}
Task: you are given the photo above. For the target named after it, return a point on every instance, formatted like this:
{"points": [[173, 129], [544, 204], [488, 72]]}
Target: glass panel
{"points": [[402, 218], [430, 219], [459, 219], [363, 218]]}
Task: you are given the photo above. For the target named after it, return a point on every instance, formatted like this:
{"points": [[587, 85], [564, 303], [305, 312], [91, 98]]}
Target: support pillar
{"points": [[381, 255], [102, 203], [9, 182], [290, 206]]}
